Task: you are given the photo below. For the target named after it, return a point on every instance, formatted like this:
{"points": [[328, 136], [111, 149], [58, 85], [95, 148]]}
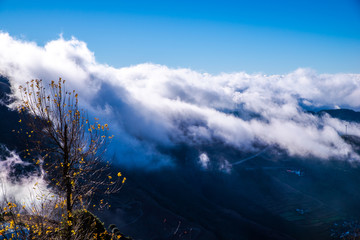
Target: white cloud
{"points": [[16, 189], [225, 166], [204, 160], [150, 106]]}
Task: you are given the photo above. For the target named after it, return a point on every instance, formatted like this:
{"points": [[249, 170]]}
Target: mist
{"points": [[18, 184], [151, 107]]}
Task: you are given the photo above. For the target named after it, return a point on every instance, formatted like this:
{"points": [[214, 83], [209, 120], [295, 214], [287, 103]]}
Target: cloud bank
{"points": [[151, 107], [14, 188]]}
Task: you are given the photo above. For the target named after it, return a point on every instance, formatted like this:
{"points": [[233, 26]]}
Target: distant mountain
{"points": [[342, 114]]}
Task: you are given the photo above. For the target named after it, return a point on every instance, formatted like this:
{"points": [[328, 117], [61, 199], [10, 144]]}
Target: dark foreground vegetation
{"points": [[65, 150]]}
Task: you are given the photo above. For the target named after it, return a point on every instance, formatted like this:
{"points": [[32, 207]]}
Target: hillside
{"points": [[273, 196]]}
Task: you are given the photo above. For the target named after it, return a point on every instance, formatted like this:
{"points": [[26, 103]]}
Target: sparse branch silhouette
{"points": [[67, 146]]}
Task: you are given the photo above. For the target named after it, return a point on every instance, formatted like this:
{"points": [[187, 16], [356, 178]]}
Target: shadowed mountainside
{"points": [[273, 196]]}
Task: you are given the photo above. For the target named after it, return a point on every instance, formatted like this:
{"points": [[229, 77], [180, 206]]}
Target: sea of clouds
{"points": [[22, 190], [151, 107]]}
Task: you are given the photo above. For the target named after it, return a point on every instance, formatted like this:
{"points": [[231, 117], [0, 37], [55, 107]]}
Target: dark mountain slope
{"points": [[8, 119], [343, 114], [261, 200], [271, 196]]}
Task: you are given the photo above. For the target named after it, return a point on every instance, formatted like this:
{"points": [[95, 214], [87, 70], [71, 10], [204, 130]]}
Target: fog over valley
{"points": [[150, 106], [233, 155]]}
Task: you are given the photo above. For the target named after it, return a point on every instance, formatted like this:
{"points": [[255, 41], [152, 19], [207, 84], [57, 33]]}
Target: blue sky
{"points": [[271, 37]]}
